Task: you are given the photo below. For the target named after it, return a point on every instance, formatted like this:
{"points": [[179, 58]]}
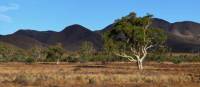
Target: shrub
{"points": [[17, 58], [193, 59], [72, 59], [177, 60], [160, 58], [157, 57], [3, 59], [106, 58], [29, 60], [84, 59]]}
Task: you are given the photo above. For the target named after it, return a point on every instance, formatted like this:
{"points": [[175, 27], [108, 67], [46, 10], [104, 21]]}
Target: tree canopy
{"points": [[132, 36]]}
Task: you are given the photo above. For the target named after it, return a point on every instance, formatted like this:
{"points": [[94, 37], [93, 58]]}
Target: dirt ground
{"points": [[118, 74]]}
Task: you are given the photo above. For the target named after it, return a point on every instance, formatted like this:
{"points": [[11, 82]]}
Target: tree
{"points": [[37, 53], [131, 37], [86, 50], [11, 53], [54, 53]]}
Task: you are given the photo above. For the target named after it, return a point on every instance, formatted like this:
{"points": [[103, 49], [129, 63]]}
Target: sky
{"points": [[55, 15]]}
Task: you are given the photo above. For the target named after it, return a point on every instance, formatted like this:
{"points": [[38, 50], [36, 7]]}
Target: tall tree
{"points": [[131, 37]]}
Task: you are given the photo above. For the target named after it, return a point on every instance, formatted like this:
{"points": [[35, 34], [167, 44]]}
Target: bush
{"points": [[99, 58], [29, 60], [106, 58], [156, 57], [177, 60], [84, 59], [193, 59], [17, 58], [3, 59], [72, 59], [160, 58]]}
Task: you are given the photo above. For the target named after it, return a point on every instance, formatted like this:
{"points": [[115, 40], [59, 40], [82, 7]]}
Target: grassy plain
{"points": [[116, 74]]}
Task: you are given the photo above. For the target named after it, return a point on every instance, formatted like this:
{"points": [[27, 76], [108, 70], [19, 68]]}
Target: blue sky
{"points": [[94, 14]]}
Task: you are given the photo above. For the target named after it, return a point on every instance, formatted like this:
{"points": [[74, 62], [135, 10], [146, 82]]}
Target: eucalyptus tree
{"points": [[87, 48], [131, 37], [38, 53], [86, 51]]}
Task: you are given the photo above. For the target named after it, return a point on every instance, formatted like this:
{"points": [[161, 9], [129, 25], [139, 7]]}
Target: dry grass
{"points": [[97, 75]]}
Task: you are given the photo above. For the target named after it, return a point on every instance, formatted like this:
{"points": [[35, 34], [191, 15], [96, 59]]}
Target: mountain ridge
{"points": [[183, 36]]}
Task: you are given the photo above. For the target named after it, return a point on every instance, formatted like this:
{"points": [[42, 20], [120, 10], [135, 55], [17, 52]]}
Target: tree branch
{"points": [[144, 51], [130, 58], [134, 51], [148, 47]]}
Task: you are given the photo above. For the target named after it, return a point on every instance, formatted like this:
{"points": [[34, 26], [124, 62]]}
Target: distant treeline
{"points": [[86, 53]]}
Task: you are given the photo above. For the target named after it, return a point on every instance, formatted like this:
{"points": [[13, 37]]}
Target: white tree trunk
{"points": [[140, 65], [58, 62], [138, 56]]}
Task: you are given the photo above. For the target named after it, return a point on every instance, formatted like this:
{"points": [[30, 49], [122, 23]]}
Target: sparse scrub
{"points": [[158, 58], [177, 60], [69, 75], [72, 59], [29, 60]]}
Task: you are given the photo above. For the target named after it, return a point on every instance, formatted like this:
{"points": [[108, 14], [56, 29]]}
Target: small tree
{"points": [[131, 37], [86, 49], [54, 53], [37, 53]]}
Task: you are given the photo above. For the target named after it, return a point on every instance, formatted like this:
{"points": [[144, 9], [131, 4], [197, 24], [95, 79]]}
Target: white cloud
{"points": [[6, 8], [5, 18], [9, 7]]}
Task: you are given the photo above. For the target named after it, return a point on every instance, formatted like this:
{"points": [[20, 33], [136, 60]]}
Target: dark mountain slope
{"points": [[41, 36], [73, 36], [161, 24], [21, 41]]}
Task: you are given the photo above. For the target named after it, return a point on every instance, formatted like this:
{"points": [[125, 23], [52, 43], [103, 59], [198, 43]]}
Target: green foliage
{"points": [[132, 35], [192, 59], [29, 60], [177, 60], [11, 53], [159, 55], [185, 58], [86, 51], [130, 31], [54, 53], [37, 53], [72, 59], [87, 48], [158, 58]]}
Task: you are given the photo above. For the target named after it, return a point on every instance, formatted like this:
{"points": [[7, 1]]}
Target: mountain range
{"points": [[182, 36]]}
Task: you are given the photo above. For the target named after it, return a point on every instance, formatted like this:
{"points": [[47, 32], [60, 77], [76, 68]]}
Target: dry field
{"points": [[99, 75]]}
